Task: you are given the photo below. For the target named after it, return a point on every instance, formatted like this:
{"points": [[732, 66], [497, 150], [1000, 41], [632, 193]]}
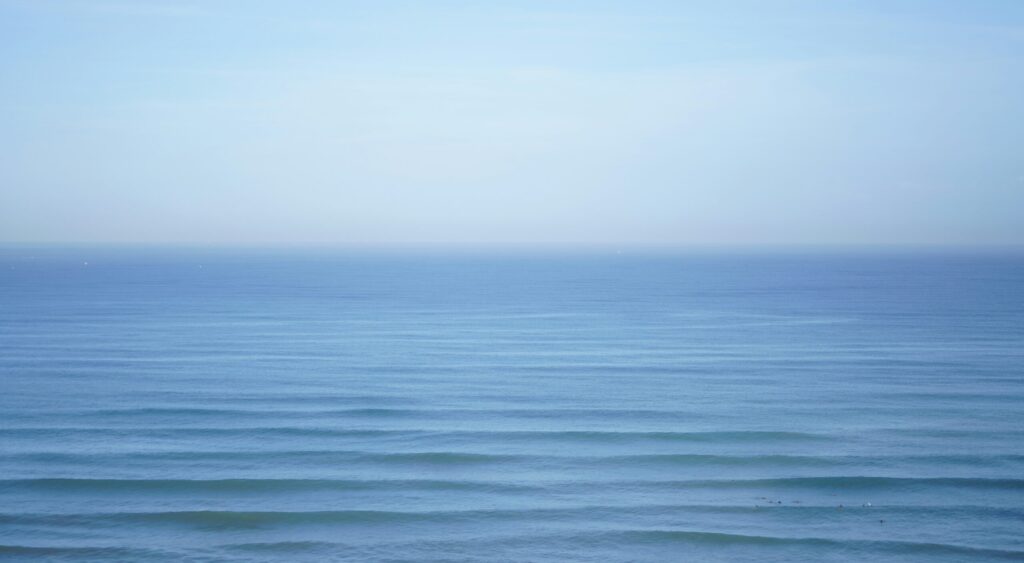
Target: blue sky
{"points": [[512, 122]]}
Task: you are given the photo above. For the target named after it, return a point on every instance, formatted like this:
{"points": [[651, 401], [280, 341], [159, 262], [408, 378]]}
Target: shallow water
{"points": [[315, 405]]}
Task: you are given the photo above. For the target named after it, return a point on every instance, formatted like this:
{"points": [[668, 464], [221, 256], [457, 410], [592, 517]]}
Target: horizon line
{"points": [[632, 247]]}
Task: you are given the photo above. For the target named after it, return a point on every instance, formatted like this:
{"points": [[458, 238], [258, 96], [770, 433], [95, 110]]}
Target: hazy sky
{"points": [[477, 122]]}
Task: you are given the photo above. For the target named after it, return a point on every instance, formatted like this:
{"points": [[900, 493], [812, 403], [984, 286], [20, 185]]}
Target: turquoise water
{"points": [[313, 405]]}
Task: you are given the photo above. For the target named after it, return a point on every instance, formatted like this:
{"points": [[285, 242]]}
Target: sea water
{"points": [[316, 405]]}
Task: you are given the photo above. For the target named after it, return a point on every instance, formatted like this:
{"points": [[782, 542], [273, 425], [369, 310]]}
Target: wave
{"points": [[252, 485], [285, 547], [856, 483], [193, 412], [696, 436], [887, 546], [270, 518], [689, 460], [476, 458], [371, 412], [669, 538], [104, 553], [403, 458], [295, 485], [809, 461], [451, 457], [607, 436]]}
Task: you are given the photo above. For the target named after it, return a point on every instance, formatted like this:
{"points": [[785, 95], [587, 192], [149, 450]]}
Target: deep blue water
{"points": [[313, 405]]}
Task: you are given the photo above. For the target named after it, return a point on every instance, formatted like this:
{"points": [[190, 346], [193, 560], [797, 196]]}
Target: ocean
{"points": [[320, 405]]}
